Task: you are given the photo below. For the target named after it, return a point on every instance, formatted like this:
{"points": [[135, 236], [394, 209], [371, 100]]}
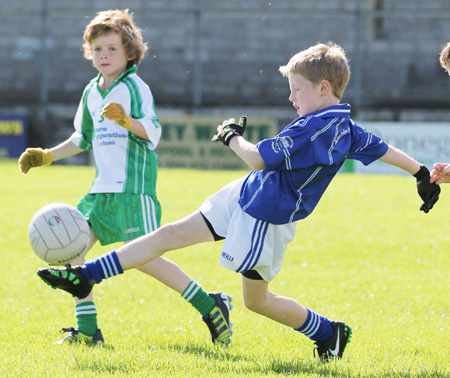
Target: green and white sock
{"points": [[86, 314], [198, 298]]}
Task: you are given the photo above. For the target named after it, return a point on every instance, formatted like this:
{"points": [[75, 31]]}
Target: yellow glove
{"points": [[34, 157], [115, 112]]}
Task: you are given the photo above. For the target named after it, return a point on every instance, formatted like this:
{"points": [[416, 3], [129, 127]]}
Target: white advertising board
{"points": [[428, 143]]}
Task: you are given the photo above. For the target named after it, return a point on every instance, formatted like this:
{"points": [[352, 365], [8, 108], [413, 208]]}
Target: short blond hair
{"points": [[116, 21], [444, 56], [321, 62]]}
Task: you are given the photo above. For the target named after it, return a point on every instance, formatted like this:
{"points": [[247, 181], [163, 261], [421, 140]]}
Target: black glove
{"points": [[429, 192], [228, 130]]}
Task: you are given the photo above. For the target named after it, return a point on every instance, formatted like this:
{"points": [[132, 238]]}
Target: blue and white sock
{"points": [[106, 266], [316, 327]]}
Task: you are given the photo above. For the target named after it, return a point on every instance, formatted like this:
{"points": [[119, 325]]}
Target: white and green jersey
{"points": [[125, 162]]}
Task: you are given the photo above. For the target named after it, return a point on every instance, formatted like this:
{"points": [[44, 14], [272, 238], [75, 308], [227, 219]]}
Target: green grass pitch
{"points": [[366, 256]]}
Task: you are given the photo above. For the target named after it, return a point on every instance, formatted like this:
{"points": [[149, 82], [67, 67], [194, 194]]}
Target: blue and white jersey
{"points": [[302, 160]]}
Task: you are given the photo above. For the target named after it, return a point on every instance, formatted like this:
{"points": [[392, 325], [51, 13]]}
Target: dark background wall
{"points": [[208, 54]]}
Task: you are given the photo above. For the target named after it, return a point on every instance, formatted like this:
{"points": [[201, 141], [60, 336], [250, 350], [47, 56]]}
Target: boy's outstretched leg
{"points": [[79, 280], [214, 307], [330, 337]]}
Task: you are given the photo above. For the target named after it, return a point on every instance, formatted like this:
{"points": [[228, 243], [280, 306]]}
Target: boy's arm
{"points": [[37, 157], [137, 128], [116, 112], [428, 191], [396, 157], [248, 152], [230, 134], [65, 150]]}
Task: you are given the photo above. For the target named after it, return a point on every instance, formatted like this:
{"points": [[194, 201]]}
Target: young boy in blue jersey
{"points": [[257, 214]]}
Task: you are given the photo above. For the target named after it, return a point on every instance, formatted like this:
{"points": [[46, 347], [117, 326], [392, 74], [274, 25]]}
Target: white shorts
{"points": [[250, 244]]}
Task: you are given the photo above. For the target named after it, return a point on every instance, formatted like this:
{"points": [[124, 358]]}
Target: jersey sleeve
{"points": [[143, 109], [290, 149], [366, 147], [83, 124]]}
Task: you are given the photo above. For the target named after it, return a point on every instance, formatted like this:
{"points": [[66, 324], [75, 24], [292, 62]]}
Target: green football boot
{"points": [[218, 319]]}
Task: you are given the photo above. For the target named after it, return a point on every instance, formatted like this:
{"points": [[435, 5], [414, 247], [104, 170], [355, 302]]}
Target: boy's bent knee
{"points": [[255, 294], [255, 304]]}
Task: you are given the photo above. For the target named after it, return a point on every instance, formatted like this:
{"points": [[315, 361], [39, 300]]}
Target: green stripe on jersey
{"points": [[136, 100], [87, 122], [142, 162], [142, 168]]}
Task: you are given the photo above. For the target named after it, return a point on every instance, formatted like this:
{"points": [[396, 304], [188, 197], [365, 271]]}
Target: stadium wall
{"points": [[208, 55]]}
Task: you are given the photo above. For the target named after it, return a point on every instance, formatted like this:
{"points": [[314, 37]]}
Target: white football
{"points": [[58, 233]]}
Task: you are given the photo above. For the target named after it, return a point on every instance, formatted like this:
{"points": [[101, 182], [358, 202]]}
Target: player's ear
{"points": [[325, 87]]}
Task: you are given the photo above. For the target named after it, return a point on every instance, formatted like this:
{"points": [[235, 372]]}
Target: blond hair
{"points": [[443, 58], [116, 21], [321, 62]]}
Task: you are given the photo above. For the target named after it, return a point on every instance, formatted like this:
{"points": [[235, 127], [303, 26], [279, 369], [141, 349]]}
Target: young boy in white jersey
{"points": [[257, 214], [441, 171], [116, 118]]}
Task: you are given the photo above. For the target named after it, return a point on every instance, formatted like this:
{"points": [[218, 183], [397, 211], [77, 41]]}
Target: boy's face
{"points": [[305, 96], [108, 55]]}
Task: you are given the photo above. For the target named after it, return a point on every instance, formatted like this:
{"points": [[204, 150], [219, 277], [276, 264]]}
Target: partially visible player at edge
{"points": [[259, 212], [116, 118], [441, 171]]}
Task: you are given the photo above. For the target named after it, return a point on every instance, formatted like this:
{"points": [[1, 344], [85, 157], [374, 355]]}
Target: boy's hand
{"points": [[229, 129], [116, 112], [34, 157], [428, 191], [441, 173]]}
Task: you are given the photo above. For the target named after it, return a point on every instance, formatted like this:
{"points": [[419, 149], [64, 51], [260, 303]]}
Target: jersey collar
{"points": [[127, 72], [341, 110]]}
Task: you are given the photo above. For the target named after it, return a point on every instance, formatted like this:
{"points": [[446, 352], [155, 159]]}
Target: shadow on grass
{"points": [[223, 360], [250, 365], [294, 366], [226, 362]]}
